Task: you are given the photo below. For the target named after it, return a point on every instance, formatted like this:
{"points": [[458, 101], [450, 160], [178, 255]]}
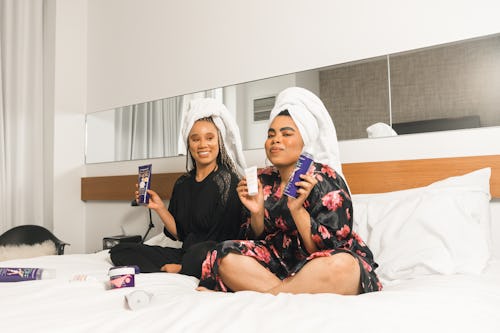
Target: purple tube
{"points": [[144, 183], [17, 274], [301, 168]]}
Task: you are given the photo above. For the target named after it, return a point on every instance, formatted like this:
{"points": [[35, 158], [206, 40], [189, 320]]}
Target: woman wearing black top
{"points": [[204, 208]]}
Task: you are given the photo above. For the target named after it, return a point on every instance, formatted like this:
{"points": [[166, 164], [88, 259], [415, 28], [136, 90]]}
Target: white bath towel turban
{"points": [[210, 107], [314, 123]]}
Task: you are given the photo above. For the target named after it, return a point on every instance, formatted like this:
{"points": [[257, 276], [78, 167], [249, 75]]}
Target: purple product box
{"points": [[301, 168], [122, 277], [144, 182]]}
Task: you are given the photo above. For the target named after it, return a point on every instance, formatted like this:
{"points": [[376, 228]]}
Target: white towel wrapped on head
{"points": [[314, 123], [210, 107]]}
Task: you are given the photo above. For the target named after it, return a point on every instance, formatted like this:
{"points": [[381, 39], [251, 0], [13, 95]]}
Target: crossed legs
{"points": [[339, 274]]}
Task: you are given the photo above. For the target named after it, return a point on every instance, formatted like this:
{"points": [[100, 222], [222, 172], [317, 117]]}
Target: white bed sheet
{"points": [[437, 303]]}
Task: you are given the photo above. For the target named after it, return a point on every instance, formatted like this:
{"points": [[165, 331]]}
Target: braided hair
{"points": [[223, 158]]}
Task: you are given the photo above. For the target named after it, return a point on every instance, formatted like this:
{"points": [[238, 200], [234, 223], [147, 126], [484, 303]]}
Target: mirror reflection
{"points": [[445, 87]]}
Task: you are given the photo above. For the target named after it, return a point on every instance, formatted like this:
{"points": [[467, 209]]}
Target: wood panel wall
{"points": [[369, 177]]}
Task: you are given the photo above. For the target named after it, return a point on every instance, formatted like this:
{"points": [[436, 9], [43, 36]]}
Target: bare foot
{"points": [[203, 289], [171, 268]]}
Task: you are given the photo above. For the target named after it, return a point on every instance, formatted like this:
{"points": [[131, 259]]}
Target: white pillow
{"points": [[443, 228]]}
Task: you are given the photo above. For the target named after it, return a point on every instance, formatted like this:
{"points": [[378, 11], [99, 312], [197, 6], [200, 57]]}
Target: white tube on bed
{"points": [[252, 183], [16, 274]]}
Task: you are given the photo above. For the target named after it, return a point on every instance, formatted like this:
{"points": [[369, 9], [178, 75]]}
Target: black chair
{"points": [[30, 234]]}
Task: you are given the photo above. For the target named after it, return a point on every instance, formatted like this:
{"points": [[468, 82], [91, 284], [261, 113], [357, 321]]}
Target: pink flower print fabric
{"points": [[279, 247]]}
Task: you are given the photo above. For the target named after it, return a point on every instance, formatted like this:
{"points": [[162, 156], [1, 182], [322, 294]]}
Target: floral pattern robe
{"points": [[279, 248]]}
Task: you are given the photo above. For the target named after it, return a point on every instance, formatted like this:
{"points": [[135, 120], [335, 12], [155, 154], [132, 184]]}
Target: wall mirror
{"points": [[443, 87]]}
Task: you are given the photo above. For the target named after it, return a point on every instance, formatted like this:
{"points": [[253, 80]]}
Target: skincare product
{"points": [[16, 274], [252, 183], [301, 168], [144, 182], [122, 277]]}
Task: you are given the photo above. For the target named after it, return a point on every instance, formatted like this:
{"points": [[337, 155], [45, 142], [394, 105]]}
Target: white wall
{"points": [[146, 50], [100, 137], [70, 101], [137, 50]]}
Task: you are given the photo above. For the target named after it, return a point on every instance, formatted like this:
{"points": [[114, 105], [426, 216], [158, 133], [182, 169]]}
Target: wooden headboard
{"points": [[366, 177], [376, 177]]}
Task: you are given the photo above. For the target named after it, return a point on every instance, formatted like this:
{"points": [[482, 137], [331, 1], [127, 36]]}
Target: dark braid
{"points": [[223, 158]]}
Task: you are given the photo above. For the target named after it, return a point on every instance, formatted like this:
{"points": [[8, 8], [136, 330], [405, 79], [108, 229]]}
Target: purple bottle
{"points": [[145, 172], [301, 168], [16, 274]]}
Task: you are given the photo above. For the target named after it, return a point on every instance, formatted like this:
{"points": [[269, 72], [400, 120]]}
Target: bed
{"points": [[428, 222]]}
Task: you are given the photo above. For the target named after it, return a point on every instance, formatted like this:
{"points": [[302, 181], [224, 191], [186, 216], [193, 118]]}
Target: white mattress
{"points": [[436, 303]]}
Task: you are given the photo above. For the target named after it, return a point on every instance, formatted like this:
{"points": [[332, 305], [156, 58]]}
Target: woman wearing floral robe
{"points": [[296, 245]]}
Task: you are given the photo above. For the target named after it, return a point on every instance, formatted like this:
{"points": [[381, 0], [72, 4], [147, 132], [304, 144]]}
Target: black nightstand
{"points": [[109, 242]]}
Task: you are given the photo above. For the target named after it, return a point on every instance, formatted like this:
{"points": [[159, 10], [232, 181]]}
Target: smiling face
{"points": [[203, 142], [284, 143]]}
